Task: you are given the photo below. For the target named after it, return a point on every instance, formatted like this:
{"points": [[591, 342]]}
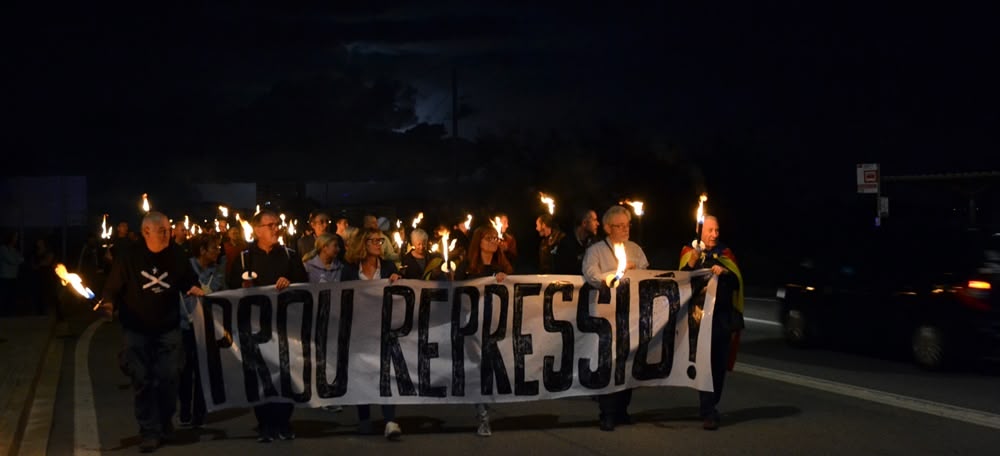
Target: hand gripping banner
{"points": [[530, 337]]}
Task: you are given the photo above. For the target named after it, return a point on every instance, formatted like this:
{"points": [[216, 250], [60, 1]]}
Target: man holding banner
{"points": [[146, 283], [599, 262], [268, 263], [728, 320]]}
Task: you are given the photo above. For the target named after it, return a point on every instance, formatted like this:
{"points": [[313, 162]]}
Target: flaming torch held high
{"points": [[468, 222], [224, 211], [398, 239], [699, 221], [446, 266], [73, 279], [247, 229], [105, 231], [417, 219], [614, 280], [636, 207], [145, 203], [498, 225], [548, 201]]}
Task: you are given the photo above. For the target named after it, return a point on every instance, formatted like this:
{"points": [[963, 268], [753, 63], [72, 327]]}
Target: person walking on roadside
{"points": [[145, 286]]}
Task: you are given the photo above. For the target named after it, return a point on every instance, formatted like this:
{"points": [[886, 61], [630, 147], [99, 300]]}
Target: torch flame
{"points": [[636, 207], [291, 227], [73, 279], [247, 229], [468, 221], [497, 225], [257, 211], [224, 211], [187, 223], [281, 240], [444, 246], [105, 231], [145, 203], [282, 217], [417, 219], [613, 280], [622, 261], [216, 226], [700, 216], [548, 201], [398, 239]]}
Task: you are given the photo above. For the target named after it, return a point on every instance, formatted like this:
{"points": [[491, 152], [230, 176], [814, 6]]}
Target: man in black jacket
{"points": [[146, 284], [268, 263]]}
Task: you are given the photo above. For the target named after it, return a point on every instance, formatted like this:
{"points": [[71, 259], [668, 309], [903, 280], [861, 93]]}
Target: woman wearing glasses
{"points": [[365, 262], [484, 259]]}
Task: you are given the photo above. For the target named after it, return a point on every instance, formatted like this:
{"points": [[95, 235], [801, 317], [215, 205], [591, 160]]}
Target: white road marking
{"points": [[979, 417], [86, 440], [763, 322]]}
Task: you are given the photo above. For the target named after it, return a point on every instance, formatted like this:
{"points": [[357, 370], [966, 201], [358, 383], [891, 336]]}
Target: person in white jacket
{"points": [[599, 266]]}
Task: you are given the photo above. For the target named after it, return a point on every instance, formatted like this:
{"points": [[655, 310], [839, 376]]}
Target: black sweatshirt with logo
{"points": [[147, 287]]}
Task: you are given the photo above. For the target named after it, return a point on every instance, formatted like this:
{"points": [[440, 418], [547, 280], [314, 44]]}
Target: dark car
{"points": [[931, 296]]}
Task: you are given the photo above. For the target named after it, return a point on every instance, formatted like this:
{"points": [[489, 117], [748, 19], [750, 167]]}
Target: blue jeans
{"points": [[154, 364]]}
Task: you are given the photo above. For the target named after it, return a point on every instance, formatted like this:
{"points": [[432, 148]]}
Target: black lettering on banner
{"points": [[213, 345], [522, 343], [285, 299], [696, 309], [459, 333], [590, 324], [338, 388], [562, 379], [649, 290], [254, 366], [623, 344], [427, 350], [391, 352], [492, 363]]}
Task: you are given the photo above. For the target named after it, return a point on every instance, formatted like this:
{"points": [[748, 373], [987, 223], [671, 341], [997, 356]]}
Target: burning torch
{"points": [[699, 221], [614, 279]]}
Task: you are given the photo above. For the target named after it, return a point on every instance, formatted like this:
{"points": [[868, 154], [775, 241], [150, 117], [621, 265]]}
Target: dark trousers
{"points": [[273, 417], [191, 396], [615, 404], [154, 362], [388, 412], [707, 401]]}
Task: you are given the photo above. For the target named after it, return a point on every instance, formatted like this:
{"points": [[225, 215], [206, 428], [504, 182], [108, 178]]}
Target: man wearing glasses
{"points": [[600, 263], [319, 221], [266, 262]]}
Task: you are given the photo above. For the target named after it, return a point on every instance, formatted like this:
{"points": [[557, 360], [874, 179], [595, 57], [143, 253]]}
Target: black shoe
{"points": [[264, 436], [149, 444], [608, 423], [197, 422], [710, 424], [185, 418], [286, 434]]}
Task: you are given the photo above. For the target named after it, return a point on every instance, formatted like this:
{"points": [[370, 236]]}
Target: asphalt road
{"points": [[778, 401]]}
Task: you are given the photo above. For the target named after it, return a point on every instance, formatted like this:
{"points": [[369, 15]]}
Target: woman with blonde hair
{"points": [[365, 262]]}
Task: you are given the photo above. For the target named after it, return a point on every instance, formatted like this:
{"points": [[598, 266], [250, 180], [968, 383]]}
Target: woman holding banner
{"points": [[484, 259], [365, 262]]}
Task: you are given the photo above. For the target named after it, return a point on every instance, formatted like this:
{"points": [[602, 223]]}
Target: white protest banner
{"points": [[530, 337]]}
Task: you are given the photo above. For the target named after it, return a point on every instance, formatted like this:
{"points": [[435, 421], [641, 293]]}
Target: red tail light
{"points": [[976, 295], [979, 285]]}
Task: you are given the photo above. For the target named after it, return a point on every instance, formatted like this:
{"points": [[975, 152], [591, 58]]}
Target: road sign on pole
{"points": [[868, 178]]}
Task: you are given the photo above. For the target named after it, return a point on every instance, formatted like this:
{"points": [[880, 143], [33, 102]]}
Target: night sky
{"points": [[764, 104]]}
